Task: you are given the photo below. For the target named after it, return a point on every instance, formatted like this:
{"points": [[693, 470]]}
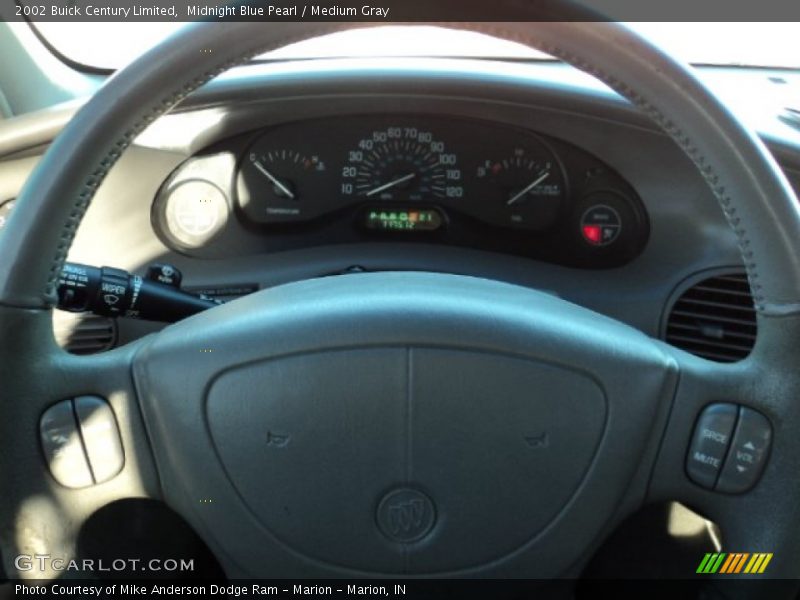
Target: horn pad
{"points": [[405, 459]]}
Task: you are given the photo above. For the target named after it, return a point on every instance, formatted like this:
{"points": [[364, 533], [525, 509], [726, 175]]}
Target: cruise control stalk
{"points": [[116, 293]]}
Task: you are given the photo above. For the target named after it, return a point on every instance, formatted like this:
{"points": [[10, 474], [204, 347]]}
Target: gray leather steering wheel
{"points": [[510, 430]]}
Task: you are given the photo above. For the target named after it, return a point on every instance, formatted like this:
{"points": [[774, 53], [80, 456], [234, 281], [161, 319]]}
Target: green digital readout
{"points": [[394, 219]]}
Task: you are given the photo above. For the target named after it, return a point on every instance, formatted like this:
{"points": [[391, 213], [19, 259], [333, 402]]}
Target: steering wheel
{"points": [[402, 423]]}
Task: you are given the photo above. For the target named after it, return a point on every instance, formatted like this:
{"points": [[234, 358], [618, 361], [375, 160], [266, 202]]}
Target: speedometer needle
{"points": [[285, 190], [391, 184], [527, 189]]}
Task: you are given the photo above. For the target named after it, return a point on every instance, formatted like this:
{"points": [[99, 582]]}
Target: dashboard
{"points": [[462, 182], [528, 173]]}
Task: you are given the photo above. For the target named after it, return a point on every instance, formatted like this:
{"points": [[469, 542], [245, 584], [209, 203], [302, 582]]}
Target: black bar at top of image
{"points": [[388, 11]]}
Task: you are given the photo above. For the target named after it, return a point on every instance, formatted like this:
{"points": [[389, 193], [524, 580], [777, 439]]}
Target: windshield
{"points": [[112, 45]]}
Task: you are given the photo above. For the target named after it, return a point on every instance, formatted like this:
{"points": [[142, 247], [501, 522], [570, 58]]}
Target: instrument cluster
{"points": [[426, 178]]}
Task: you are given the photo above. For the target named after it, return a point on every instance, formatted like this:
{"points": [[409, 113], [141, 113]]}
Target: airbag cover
{"points": [[391, 458]]}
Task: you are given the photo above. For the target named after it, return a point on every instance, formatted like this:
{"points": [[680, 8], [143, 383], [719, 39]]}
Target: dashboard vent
{"points": [[715, 319], [84, 333]]}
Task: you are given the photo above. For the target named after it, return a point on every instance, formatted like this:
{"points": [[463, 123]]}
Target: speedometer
{"points": [[401, 163]]}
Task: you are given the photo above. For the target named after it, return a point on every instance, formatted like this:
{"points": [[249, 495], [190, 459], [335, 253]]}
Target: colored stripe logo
{"points": [[734, 562]]}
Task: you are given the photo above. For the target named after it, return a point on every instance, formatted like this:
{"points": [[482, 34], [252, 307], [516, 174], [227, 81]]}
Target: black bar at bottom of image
{"points": [[405, 589]]}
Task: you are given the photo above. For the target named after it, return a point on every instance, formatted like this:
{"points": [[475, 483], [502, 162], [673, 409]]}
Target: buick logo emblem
{"points": [[405, 515]]}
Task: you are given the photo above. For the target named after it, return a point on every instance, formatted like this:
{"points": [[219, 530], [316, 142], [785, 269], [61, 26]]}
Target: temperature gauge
{"points": [[275, 184]]}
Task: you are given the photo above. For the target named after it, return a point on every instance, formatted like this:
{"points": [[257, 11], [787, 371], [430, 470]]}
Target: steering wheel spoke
{"points": [[730, 450], [73, 437]]}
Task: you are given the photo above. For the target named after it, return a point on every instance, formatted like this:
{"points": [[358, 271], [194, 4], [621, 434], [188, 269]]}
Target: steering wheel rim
{"points": [[754, 195]]}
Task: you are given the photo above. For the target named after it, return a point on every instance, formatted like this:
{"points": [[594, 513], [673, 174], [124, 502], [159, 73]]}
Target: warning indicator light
{"points": [[592, 233], [601, 225]]}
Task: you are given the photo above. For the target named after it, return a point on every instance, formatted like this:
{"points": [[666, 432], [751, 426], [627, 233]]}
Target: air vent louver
{"points": [[84, 333], [714, 319]]}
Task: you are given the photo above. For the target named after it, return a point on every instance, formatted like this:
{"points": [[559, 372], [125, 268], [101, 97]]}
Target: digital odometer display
{"points": [[394, 219]]}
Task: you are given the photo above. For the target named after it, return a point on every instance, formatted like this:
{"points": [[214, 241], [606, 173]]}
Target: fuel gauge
{"points": [[522, 189]]}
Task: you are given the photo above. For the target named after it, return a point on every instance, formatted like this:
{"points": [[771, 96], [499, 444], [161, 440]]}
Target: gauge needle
{"points": [[527, 189], [391, 184], [274, 179]]}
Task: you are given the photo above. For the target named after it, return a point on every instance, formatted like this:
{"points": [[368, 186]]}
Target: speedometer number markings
{"points": [[401, 163]]}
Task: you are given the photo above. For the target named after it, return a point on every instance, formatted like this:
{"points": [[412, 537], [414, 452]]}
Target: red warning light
{"points": [[592, 233]]}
